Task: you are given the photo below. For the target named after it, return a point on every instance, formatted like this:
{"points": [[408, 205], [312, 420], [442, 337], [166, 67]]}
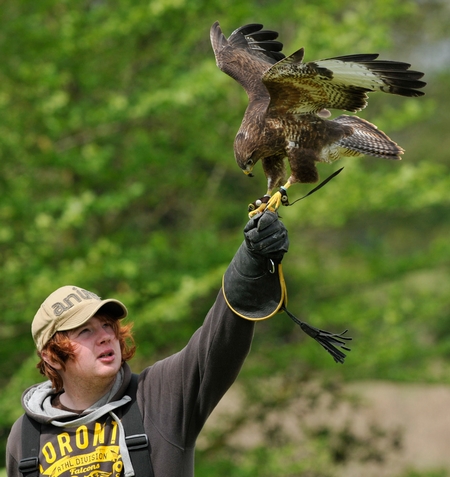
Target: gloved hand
{"points": [[253, 284], [265, 235]]}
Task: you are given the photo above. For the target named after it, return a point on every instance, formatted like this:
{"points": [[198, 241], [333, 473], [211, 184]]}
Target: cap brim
{"points": [[111, 307]]}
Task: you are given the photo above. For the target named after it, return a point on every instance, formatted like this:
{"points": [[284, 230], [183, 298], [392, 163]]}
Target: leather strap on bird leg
{"points": [[258, 202], [258, 298], [325, 181], [284, 196]]}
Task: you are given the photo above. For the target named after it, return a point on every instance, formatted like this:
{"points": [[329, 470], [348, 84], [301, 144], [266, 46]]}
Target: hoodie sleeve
{"points": [[179, 393]]}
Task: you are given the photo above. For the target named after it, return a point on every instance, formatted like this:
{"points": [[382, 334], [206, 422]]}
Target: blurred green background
{"points": [[117, 175]]}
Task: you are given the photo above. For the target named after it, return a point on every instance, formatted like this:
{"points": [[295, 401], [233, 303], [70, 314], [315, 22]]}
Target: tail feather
{"points": [[366, 139]]}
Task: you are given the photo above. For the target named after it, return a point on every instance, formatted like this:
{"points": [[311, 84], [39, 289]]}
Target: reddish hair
{"points": [[59, 349]]}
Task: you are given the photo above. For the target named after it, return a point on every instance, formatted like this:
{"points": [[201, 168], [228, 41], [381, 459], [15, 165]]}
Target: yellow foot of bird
{"points": [[258, 206], [270, 203], [275, 201]]}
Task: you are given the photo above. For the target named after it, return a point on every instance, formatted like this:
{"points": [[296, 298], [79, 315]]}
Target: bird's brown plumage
{"points": [[286, 116]]}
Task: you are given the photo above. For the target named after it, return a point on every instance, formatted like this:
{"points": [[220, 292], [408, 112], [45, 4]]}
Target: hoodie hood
{"points": [[37, 400], [37, 403]]}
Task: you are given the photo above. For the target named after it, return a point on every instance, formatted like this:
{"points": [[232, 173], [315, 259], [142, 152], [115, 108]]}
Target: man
{"points": [[84, 349]]}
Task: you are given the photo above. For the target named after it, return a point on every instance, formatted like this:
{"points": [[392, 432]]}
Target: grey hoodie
{"points": [[175, 396]]}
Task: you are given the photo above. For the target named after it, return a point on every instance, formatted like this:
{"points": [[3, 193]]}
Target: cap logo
{"points": [[67, 303]]}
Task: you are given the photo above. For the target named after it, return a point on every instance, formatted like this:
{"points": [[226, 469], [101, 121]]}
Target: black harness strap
{"points": [[136, 439], [31, 431]]}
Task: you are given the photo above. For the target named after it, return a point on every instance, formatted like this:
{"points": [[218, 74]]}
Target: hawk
{"points": [[287, 113]]}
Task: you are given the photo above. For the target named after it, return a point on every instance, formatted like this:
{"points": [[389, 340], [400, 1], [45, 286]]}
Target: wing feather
{"points": [[246, 54], [340, 83]]}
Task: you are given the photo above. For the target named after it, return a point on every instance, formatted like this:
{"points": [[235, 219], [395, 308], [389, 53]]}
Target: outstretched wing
{"points": [[246, 54], [340, 83]]}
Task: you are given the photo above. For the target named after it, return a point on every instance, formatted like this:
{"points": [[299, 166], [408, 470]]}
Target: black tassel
{"points": [[326, 339]]}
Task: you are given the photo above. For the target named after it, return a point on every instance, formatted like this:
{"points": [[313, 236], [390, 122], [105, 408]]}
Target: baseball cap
{"points": [[67, 308]]}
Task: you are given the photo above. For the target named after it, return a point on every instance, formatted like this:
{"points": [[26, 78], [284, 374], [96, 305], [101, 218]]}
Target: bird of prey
{"points": [[287, 113]]}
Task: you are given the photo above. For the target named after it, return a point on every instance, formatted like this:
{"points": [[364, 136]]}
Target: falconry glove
{"points": [[253, 284]]}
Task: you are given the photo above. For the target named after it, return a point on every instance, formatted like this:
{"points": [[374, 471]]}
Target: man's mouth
{"points": [[106, 355]]}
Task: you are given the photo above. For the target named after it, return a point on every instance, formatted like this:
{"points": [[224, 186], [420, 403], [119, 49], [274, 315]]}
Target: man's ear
{"points": [[49, 361]]}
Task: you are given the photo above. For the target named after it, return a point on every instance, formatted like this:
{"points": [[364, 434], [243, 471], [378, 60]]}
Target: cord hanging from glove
{"points": [[327, 340]]}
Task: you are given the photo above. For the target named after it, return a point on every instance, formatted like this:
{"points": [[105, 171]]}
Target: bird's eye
{"points": [[249, 163]]}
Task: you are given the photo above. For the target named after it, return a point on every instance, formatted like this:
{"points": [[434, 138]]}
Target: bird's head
{"points": [[245, 153], [247, 167]]}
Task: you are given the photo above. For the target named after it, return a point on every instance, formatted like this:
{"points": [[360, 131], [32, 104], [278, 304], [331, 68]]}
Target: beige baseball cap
{"points": [[70, 307]]}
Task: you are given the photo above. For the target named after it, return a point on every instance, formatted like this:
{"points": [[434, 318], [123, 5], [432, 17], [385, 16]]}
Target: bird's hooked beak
{"points": [[248, 168]]}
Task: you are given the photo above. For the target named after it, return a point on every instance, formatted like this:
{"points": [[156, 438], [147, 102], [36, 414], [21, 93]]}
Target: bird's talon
{"points": [[258, 206], [257, 211], [275, 201]]}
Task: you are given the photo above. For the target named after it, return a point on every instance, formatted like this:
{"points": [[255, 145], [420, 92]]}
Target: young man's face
{"points": [[98, 357]]}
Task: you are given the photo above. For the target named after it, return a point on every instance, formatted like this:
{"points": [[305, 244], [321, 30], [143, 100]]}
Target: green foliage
{"points": [[117, 175]]}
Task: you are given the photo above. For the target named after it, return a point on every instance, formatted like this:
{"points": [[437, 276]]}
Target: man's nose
{"points": [[104, 335]]}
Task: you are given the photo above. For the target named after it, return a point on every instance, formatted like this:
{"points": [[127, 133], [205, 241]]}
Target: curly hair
{"points": [[59, 349]]}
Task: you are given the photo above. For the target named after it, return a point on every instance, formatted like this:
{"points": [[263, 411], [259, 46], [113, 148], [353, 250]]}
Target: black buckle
{"points": [[136, 441], [29, 464]]}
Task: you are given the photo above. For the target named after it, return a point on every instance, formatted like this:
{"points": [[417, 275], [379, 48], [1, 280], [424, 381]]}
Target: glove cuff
{"points": [[255, 298]]}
